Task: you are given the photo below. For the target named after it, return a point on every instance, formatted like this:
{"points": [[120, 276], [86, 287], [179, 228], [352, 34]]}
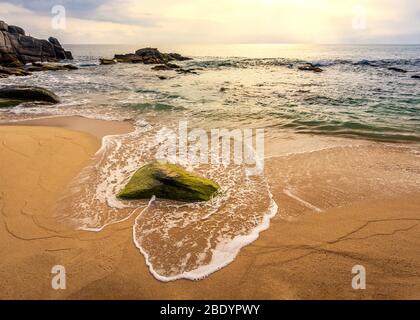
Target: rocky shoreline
{"points": [[18, 49]]}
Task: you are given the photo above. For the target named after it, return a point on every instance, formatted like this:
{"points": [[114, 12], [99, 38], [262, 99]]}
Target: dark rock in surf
{"points": [[397, 70], [107, 61], [166, 67], [186, 71], [177, 57], [310, 67], [151, 56], [26, 93], [416, 76]]}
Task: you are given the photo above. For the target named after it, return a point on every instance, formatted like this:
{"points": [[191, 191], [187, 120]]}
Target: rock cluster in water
{"points": [[168, 181], [152, 56], [149, 56]]}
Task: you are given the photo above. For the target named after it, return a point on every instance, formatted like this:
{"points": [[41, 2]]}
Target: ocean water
{"points": [[356, 98]]}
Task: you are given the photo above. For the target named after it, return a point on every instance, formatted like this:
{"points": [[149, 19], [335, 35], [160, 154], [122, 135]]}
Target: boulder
{"points": [[168, 181], [18, 48], [151, 55], [26, 93], [60, 53], [69, 55], [16, 30], [3, 26], [107, 61], [397, 70]]}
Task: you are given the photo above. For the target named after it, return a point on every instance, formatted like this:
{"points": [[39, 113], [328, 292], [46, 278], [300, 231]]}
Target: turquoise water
{"points": [[357, 95]]}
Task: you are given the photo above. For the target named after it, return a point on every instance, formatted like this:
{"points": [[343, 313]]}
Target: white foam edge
{"points": [[224, 253], [121, 220]]}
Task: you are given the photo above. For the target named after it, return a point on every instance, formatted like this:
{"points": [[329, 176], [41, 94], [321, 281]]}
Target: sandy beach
{"points": [[333, 218]]}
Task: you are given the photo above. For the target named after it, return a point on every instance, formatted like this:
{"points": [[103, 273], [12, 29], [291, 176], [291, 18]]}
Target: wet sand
{"points": [[338, 208]]}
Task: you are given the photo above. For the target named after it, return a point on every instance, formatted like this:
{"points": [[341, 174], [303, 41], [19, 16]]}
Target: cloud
{"points": [[222, 21]]}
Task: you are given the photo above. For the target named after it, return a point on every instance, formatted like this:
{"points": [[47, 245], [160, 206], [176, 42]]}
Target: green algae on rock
{"points": [[7, 103], [168, 181], [107, 61], [49, 67]]}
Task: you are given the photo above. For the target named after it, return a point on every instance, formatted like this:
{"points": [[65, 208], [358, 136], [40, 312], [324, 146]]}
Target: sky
{"points": [[217, 21]]}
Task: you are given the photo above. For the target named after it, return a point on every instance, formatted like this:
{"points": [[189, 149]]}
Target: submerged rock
{"points": [[107, 61], [168, 181], [310, 67], [161, 67], [186, 71], [397, 70], [24, 93]]}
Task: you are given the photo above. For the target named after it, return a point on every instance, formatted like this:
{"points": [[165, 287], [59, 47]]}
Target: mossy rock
{"points": [[168, 181], [14, 71], [107, 61], [48, 67], [7, 103], [26, 93]]}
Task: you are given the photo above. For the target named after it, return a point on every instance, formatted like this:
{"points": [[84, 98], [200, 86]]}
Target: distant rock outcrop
{"points": [[17, 49], [149, 56]]}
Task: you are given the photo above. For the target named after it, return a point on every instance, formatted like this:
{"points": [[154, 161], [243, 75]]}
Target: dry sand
{"points": [[365, 211]]}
